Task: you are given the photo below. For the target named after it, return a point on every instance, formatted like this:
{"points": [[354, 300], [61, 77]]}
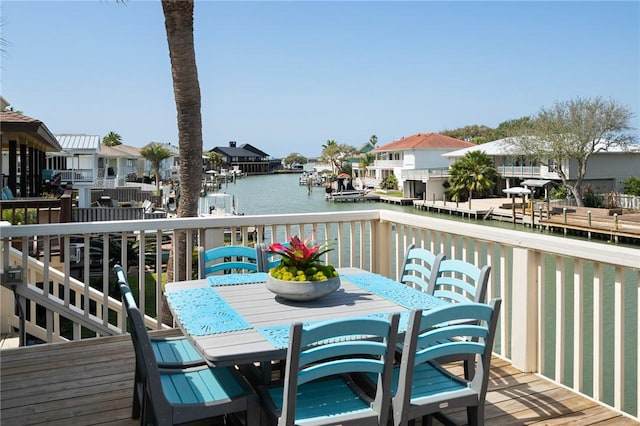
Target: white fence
{"points": [[614, 199], [571, 308]]}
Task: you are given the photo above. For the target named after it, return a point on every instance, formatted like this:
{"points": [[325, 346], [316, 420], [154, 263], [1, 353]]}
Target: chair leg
{"points": [[469, 367], [475, 415], [253, 412], [136, 407]]}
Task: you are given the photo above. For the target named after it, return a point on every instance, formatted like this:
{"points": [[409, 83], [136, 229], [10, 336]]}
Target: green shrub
{"points": [[389, 182], [16, 217], [632, 186]]}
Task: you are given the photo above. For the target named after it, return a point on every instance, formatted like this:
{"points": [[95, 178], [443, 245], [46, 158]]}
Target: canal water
{"points": [[281, 194]]}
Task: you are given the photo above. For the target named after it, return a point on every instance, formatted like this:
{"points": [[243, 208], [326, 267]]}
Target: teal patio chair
{"points": [[171, 352], [419, 266], [228, 259], [458, 281], [175, 396], [424, 386], [174, 352], [266, 260], [317, 388]]}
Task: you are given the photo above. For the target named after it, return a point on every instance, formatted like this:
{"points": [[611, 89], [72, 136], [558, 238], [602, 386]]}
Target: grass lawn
{"points": [[391, 193], [149, 289]]}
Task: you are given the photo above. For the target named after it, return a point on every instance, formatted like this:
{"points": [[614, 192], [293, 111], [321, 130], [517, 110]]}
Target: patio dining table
{"points": [[234, 319]]}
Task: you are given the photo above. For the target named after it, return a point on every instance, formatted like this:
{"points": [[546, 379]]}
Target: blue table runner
{"points": [[235, 279], [278, 335], [394, 291], [400, 294], [202, 311]]}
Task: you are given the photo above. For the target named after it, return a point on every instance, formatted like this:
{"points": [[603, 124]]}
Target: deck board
{"points": [[90, 382]]}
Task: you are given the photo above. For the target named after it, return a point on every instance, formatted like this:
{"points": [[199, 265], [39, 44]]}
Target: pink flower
{"points": [[298, 253]]}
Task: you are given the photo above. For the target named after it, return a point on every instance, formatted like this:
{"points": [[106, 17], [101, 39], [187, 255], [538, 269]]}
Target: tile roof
{"points": [[15, 122], [425, 141], [119, 151]]}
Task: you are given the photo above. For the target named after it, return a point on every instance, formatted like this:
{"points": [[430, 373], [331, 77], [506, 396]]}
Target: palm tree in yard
{"points": [[155, 153], [112, 139], [178, 15], [214, 160], [472, 174], [178, 19]]}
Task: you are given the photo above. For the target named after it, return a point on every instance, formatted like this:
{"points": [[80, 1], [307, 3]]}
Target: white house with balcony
{"points": [[118, 163], [86, 163], [417, 162], [605, 169], [76, 163]]}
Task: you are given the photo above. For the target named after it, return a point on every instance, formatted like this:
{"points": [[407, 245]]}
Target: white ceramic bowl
{"points": [[302, 290]]}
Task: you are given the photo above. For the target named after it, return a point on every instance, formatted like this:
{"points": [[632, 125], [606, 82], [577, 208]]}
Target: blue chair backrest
{"points": [[7, 194], [340, 346], [458, 281], [125, 291], [227, 258], [420, 265], [439, 333], [267, 260]]}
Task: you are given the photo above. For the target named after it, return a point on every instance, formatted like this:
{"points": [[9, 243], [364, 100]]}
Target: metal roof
{"points": [[79, 142], [535, 182]]}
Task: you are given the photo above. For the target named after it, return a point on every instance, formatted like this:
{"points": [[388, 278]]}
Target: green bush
{"points": [[559, 193], [389, 182], [16, 217], [632, 186]]}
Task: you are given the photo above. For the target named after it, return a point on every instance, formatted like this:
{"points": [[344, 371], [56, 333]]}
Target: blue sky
{"points": [[288, 76]]}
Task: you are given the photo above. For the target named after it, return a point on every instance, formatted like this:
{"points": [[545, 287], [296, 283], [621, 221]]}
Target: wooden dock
{"points": [[595, 223], [584, 221], [90, 382], [453, 208]]}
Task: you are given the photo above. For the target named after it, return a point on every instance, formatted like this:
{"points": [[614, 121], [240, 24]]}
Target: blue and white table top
{"points": [[235, 319]]}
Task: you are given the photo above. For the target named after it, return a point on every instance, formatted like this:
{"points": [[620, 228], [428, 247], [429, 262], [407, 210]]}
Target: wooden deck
{"points": [[90, 382]]}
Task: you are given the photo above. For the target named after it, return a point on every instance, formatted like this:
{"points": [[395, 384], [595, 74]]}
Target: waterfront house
{"points": [[417, 163], [605, 169], [76, 164], [119, 164], [361, 173], [245, 158], [25, 142]]}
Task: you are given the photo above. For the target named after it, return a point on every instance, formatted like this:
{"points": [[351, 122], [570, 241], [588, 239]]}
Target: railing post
{"points": [[381, 247], [7, 302], [65, 207], [525, 307]]}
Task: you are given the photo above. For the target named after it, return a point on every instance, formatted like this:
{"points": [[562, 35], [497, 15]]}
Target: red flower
{"points": [[298, 253]]}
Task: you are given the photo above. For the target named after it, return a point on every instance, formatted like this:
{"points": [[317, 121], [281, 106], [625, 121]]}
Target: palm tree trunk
{"points": [[178, 16]]}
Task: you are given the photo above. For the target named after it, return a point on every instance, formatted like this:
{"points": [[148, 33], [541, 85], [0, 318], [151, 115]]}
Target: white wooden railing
{"points": [[571, 308], [424, 174], [77, 175], [519, 171]]}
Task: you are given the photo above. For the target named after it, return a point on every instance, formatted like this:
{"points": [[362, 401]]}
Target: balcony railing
{"points": [[519, 171], [76, 176], [571, 308], [387, 164], [424, 174]]}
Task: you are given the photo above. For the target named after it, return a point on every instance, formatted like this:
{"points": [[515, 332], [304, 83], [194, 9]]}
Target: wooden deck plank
{"points": [[90, 382]]}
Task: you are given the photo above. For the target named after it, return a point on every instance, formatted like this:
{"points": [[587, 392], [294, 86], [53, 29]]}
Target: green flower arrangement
{"points": [[301, 261]]}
